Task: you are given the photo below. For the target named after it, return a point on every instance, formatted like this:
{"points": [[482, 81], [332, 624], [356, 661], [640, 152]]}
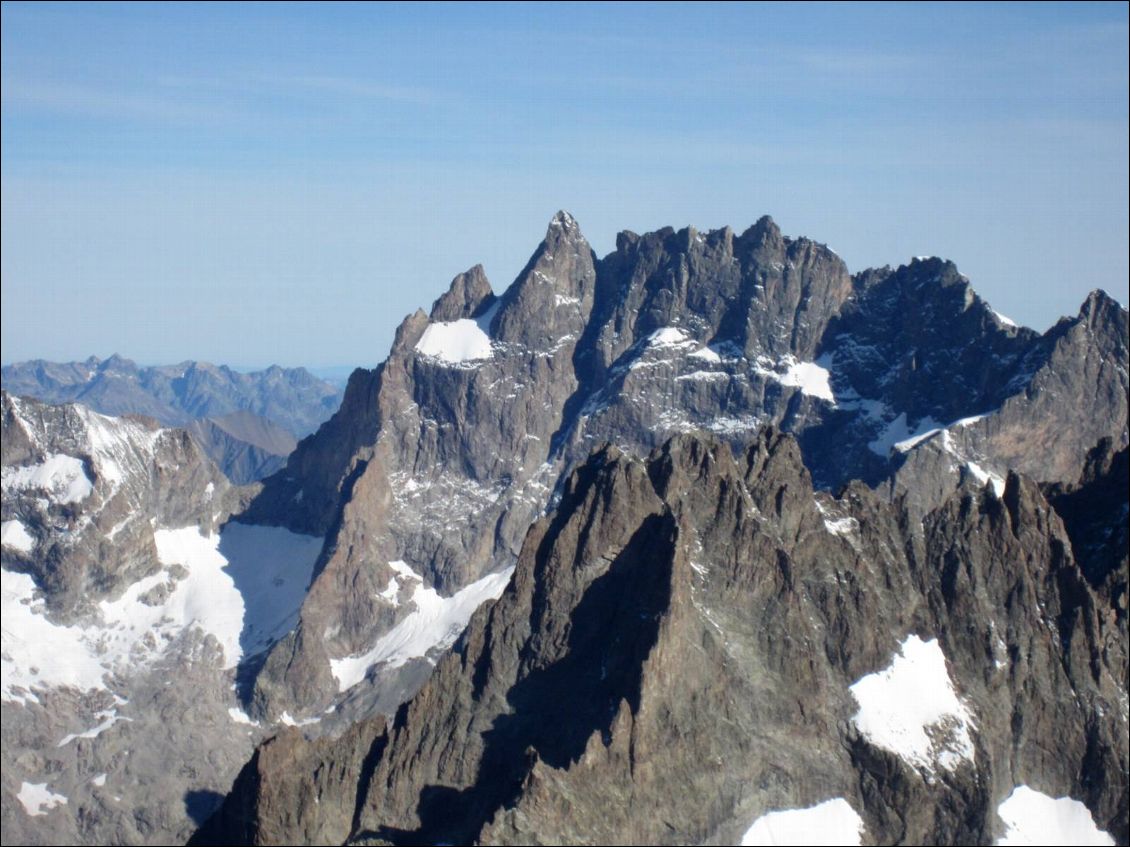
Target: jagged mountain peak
{"points": [[1099, 301], [468, 295], [764, 229], [443, 456], [1102, 313], [549, 303], [117, 362], [565, 222], [637, 453]]}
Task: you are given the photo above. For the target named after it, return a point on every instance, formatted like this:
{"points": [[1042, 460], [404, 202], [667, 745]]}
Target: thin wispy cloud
{"points": [[856, 63], [103, 102], [296, 83]]}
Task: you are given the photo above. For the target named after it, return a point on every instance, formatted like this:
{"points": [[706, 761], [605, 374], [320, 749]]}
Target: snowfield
{"points": [[459, 342], [833, 822], [912, 709], [435, 624], [62, 478], [811, 378], [1032, 818], [242, 587]]}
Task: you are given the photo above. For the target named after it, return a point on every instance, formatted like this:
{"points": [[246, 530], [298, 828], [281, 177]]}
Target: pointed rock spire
{"points": [[468, 293], [566, 224], [1101, 307], [552, 297], [764, 233]]}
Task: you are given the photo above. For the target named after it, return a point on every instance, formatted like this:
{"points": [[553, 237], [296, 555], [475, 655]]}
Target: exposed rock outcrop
{"points": [[683, 649]]}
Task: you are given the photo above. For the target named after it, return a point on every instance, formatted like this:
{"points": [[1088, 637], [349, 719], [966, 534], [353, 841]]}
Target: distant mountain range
{"points": [[246, 422]]}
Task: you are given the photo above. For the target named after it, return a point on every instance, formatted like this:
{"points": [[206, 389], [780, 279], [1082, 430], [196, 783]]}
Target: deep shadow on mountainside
{"points": [[673, 657]]}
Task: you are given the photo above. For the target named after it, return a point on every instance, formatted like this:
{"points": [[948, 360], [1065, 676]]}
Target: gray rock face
{"points": [[683, 648], [397, 475], [151, 776], [443, 455], [1094, 512]]}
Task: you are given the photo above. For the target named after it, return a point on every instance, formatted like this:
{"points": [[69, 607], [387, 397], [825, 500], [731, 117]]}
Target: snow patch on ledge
{"points": [[983, 476], [1032, 818], [812, 378], [841, 526], [900, 435], [286, 720], [62, 477], [455, 342], [833, 822], [391, 593], [37, 799], [707, 354], [668, 336], [110, 717], [239, 716], [912, 710], [1004, 321], [435, 624], [14, 535]]}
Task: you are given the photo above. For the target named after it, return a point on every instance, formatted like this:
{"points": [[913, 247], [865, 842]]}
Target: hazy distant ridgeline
{"points": [[247, 423], [293, 398]]}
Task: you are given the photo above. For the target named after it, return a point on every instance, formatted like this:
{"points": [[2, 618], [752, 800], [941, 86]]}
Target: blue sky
{"points": [[257, 184]]}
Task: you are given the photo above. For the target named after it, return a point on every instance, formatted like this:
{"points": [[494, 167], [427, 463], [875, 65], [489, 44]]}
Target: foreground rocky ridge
{"points": [[681, 651], [442, 456]]}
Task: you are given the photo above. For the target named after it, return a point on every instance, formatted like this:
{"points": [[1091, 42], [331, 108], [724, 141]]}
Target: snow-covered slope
{"points": [[130, 603]]}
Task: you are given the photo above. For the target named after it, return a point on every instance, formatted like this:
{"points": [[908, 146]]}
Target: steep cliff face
{"points": [[440, 458], [1094, 512], [450, 467], [693, 642]]}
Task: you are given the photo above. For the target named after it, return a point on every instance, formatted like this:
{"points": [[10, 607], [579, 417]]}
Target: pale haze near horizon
{"points": [[283, 184]]}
